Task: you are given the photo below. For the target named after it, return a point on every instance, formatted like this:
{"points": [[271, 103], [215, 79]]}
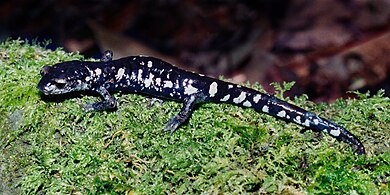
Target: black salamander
{"points": [[154, 77]]}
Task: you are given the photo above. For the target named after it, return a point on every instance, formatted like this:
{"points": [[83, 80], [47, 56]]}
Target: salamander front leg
{"points": [[183, 115], [108, 103]]}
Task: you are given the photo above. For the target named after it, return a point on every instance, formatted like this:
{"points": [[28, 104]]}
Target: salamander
{"points": [[157, 78]]}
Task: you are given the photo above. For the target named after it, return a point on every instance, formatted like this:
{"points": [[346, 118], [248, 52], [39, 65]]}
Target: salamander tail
{"points": [[264, 103]]}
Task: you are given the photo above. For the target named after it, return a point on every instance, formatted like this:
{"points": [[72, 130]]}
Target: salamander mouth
{"points": [[57, 92], [41, 89], [46, 90]]}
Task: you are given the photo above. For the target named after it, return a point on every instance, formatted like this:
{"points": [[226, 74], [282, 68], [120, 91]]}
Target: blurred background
{"points": [[328, 47]]}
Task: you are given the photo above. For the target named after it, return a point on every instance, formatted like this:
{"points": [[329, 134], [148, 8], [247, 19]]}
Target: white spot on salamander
{"points": [[335, 133], [247, 104], [158, 81], [316, 121], [213, 89], [148, 81], [226, 98], [230, 86], [297, 119], [50, 87], [168, 84], [150, 64], [98, 71], [133, 76], [140, 75], [281, 114], [256, 98], [240, 98], [189, 90], [306, 123], [265, 109], [120, 74], [177, 84]]}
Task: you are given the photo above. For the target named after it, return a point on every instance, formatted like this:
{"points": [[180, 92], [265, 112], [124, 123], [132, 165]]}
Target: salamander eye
{"points": [[45, 70]]}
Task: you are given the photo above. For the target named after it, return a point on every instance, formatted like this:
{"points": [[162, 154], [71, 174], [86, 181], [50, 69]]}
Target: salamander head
{"points": [[63, 78]]}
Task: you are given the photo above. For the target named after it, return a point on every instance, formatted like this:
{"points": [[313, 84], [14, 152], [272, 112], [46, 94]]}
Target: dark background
{"points": [[328, 46]]}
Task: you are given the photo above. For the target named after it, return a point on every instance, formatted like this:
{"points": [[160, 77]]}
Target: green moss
{"points": [[54, 147]]}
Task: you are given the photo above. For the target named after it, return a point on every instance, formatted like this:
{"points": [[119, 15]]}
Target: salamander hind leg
{"points": [[183, 115]]}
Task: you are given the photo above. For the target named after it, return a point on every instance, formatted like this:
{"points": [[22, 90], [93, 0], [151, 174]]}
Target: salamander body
{"points": [[157, 78]]}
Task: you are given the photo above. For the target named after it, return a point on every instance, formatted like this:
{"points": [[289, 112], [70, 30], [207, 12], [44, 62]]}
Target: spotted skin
{"points": [[154, 77]]}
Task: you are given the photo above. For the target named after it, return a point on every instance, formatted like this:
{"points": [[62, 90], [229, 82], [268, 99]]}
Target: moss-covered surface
{"points": [[54, 147]]}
